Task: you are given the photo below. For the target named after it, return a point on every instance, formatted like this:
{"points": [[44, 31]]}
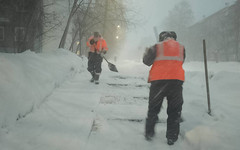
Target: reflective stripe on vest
{"points": [[176, 51]]}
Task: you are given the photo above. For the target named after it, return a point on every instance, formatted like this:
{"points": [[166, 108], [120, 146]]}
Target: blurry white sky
{"points": [[152, 13]]}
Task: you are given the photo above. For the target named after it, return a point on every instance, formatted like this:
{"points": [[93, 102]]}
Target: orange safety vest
{"points": [[168, 62], [99, 46]]}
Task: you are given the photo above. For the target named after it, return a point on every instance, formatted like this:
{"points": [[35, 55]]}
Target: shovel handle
{"points": [[105, 59]]}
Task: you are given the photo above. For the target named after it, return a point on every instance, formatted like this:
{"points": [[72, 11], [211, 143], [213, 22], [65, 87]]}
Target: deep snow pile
{"points": [[27, 79], [221, 130], [57, 108]]}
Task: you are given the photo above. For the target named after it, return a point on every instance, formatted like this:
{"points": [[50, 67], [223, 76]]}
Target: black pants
{"points": [[94, 63], [172, 90]]}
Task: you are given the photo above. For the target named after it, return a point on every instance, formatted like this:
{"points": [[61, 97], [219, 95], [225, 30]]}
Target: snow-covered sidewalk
{"points": [[63, 121], [72, 113]]}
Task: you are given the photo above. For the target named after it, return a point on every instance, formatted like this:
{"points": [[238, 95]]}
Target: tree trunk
{"points": [[105, 17], [64, 36], [237, 30], [79, 27]]}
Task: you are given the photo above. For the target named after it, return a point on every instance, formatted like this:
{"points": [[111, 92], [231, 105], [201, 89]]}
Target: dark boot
{"points": [[149, 128], [96, 78], [173, 125], [92, 79], [171, 141]]}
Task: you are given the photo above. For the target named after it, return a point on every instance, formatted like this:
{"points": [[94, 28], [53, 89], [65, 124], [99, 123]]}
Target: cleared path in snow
{"points": [[80, 115]]}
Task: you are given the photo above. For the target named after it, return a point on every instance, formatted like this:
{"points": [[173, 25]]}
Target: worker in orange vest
{"points": [[97, 49], [166, 77]]}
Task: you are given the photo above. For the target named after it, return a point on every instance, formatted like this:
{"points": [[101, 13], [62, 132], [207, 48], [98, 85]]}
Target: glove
{"points": [[92, 41], [103, 53]]}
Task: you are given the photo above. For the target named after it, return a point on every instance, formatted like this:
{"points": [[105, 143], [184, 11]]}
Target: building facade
{"points": [[221, 31], [20, 25]]}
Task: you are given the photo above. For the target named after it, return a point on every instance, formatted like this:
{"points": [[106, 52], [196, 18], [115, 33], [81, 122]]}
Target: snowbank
{"points": [[26, 80], [221, 130]]}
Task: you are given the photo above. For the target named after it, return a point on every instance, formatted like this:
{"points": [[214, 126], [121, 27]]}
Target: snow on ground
{"points": [[48, 103]]}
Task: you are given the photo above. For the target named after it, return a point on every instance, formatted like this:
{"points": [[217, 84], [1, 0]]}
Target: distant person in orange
{"points": [[97, 49], [166, 77]]}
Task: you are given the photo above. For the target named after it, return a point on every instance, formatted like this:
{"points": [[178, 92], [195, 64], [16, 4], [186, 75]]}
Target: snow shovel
{"points": [[111, 66]]}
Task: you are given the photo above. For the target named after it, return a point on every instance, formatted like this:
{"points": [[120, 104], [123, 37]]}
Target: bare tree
{"points": [[107, 17], [180, 17], [80, 24], [75, 6]]}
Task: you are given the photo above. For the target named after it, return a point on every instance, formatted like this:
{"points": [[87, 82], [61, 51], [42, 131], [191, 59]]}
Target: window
{"points": [[19, 33], [1, 33]]}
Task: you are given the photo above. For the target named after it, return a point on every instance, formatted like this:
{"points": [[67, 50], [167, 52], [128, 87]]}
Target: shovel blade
{"points": [[112, 67]]}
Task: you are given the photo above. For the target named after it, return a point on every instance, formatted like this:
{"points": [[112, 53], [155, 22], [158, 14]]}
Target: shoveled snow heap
{"points": [[48, 103]]}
